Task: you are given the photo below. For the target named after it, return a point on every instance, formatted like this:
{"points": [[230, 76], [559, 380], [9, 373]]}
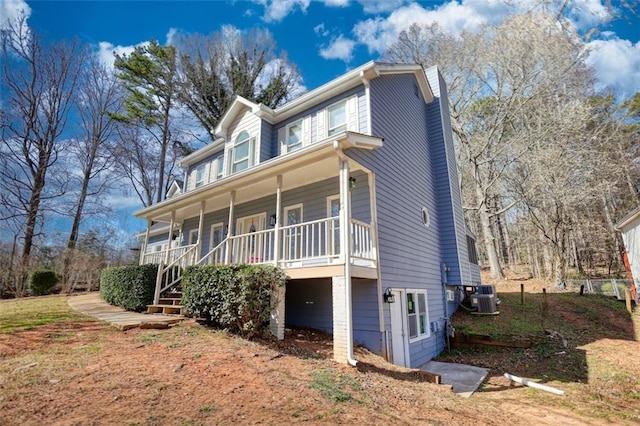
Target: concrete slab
{"points": [[465, 379], [91, 304]]}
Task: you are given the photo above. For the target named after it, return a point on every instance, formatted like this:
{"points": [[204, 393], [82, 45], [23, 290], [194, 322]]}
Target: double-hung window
{"points": [[294, 136], [243, 152], [417, 315], [200, 175], [217, 167], [337, 118]]}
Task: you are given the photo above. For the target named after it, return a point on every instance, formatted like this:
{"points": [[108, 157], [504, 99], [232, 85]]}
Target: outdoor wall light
{"points": [[388, 296], [352, 182]]}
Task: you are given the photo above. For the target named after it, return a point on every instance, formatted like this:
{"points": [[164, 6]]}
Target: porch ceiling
{"points": [[313, 164]]}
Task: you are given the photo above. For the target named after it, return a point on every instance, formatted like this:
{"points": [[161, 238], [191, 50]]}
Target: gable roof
{"points": [[353, 78], [622, 223]]}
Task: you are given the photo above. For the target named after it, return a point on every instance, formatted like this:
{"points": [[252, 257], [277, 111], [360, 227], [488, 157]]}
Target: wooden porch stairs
{"points": [[169, 304]]}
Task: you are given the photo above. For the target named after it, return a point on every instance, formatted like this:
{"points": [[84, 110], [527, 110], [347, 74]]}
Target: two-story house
{"points": [[352, 190]]}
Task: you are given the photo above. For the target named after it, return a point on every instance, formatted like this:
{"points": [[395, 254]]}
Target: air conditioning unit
{"points": [[486, 303], [488, 289]]}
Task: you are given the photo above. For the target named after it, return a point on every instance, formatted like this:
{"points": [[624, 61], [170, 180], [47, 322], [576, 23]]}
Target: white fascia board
{"points": [[416, 69], [323, 93], [201, 154], [634, 214], [347, 81], [236, 106]]}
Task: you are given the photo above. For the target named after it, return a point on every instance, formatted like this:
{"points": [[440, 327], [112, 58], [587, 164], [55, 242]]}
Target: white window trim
{"points": [[332, 244], [328, 117], [250, 159], [201, 180], [213, 227], [427, 333], [285, 147], [191, 234], [216, 169], [293, 207]]}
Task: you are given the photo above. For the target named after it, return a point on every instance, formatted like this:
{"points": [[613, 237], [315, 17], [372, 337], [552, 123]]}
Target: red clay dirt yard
{"points": [[76, 371]]}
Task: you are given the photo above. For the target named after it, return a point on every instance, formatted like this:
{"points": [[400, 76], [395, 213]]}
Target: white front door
{"points": [[399, 334], [250, 247]]}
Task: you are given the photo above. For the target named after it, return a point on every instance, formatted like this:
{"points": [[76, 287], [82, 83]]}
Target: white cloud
{"points": [[106, 51], [321, 30], [586, 14], [10, 10], [379, 33], [171, 34], [339, 48], [336, 3], [380, 6], [617, 64], [277, 10]]}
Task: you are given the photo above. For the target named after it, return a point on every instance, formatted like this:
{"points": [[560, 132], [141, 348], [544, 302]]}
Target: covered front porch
{"points": [[290, 211]]}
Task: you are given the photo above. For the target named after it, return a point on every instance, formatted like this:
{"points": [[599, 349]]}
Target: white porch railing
{"points": [[306, 244], [161, 256], [309, 241], [171, 275]]}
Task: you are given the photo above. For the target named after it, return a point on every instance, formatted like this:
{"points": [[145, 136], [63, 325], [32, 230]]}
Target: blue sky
{"points": [[324, 38]]}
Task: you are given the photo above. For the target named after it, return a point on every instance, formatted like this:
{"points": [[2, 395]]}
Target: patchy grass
{"points": [[26, 314], [334, 385], [599, 334]]}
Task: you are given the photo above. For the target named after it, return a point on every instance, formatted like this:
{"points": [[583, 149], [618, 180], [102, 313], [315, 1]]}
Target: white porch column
{"points": [[145, 244], [340, 314], [198, 254], [276, 230], [171, 224], [232, 200], [277, 314], [341, 285]]}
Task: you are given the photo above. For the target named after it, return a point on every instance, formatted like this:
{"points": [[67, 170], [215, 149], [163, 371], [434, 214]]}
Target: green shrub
{"points": [[236, 297], [130, 287], [42, 281]]}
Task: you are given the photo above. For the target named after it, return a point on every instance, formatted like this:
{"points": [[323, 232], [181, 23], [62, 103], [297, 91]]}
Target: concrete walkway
{"points": [[464, 379], [91, 304]]}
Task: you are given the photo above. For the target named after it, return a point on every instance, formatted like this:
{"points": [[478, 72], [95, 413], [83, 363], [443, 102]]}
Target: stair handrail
{"points": [[163, 276], [219, 247]]}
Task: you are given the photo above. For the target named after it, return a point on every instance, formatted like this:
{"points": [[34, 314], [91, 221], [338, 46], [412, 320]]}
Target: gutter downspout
{"points": [[345, 207]]}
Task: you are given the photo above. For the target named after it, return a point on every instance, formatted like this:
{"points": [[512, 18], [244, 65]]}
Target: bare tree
{"points": [[99, 92], [217, 67], [40, 80]]}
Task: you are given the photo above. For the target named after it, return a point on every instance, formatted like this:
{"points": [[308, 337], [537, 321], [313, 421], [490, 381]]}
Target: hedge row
{"points": [[131, 287], [42, 281], [236, 297]]}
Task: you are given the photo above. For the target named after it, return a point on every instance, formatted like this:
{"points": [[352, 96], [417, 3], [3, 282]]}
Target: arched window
{"points": [[243, 151]]}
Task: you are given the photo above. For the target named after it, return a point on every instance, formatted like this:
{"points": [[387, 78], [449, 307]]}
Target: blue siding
{"points": [[366, 328], [362, 117], [313, 197], [266, 141], [410, 253], [308, 303]]}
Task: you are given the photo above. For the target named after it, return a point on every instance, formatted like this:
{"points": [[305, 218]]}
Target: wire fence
{"points": [[612, 287]]}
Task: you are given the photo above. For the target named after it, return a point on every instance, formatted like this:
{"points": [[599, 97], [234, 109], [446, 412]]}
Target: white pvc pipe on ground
{"points": [[533, 384]]}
